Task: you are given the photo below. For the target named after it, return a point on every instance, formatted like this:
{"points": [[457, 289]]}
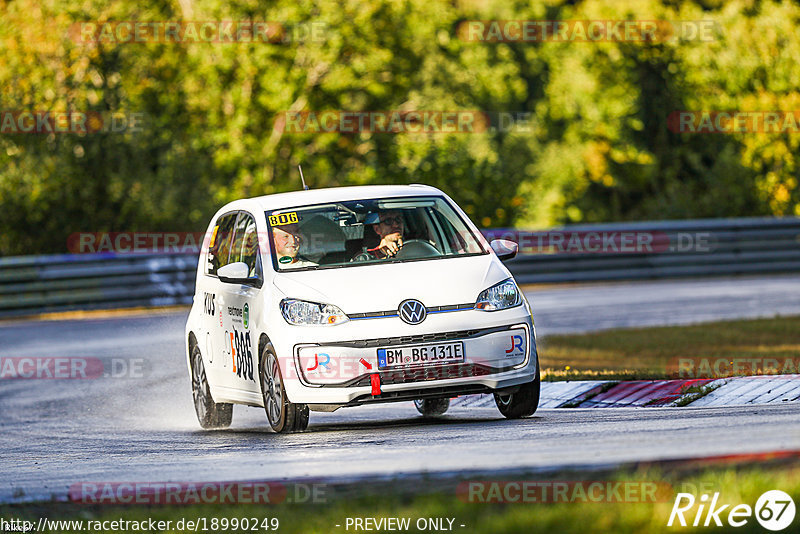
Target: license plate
{"points": [[414, 355]]}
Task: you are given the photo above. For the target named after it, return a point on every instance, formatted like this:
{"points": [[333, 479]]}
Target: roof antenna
{"points": [[305, 187]]}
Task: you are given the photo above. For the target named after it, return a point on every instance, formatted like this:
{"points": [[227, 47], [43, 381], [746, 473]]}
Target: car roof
{"points": [[330, 194]]}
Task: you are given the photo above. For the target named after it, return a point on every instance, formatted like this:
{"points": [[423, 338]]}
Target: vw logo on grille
{"points": [[412, 311]]}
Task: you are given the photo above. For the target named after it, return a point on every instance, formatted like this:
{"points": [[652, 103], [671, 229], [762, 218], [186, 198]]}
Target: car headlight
{"points": [[302, 312], [499, 297]]}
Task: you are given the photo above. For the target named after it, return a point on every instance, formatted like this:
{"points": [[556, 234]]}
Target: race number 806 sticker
{"points": [[283, 218]]}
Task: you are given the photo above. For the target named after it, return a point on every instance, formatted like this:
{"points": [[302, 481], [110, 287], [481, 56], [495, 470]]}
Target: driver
{"points": [[390, 229], [287, 240]]}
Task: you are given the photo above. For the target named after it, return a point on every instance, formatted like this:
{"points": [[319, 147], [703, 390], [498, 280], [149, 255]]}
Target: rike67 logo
{"points": [[774, 510]]}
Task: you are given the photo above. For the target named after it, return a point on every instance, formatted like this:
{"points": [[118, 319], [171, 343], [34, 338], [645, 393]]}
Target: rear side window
{"points": [[219, 246]]}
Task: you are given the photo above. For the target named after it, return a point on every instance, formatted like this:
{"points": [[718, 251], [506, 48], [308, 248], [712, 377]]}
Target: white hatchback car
{"points": [[316, 300]]}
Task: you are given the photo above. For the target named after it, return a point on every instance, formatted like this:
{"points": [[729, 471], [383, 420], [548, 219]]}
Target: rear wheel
{"points": [[432, 407], [283, 416], [522, 402], [209, 413]]}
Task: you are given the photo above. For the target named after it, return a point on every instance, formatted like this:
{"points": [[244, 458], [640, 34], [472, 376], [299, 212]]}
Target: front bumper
{"points": [[499, 354]]}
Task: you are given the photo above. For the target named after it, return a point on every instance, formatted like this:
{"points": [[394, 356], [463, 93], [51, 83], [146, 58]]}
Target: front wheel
{"points": [[283, 416], [209, 413], [522, 402]]}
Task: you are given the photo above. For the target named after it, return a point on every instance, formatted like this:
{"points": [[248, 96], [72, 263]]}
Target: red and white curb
{"points": [[770, 389], [746, 390], [645, 393], [552, 395]]}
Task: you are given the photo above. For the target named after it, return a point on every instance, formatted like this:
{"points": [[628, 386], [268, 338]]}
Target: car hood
{"points": [[376, 287]]}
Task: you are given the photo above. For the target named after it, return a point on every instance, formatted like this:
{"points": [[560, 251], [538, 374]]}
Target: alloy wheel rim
{"points": [[273, 393], [198, 389]]}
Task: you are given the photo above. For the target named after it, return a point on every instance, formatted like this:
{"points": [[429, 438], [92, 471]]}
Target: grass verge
{"points": [[714, 350]]}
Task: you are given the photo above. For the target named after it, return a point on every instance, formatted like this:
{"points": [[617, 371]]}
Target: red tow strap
{"points": [[375, 380]]}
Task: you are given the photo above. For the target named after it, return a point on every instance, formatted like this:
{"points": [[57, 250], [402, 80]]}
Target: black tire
{"points": [[522, 402], [432, 407], [209, 413], [301, 417], [283, 416]]}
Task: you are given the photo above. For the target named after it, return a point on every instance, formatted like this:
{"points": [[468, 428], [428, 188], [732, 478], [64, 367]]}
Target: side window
{"points": [[219, 245], [245, 244]]}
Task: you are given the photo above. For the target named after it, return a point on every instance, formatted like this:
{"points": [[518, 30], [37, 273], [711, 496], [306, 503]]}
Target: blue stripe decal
{"points": [[395, 315], [375, 317]]}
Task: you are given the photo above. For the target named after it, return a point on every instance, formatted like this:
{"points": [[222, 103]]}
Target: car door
{"points": [[240, 344], [216, 256]]}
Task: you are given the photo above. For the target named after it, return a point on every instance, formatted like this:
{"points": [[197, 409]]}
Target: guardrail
{"points": [[601, 252], [52, 283], [704, 247]]}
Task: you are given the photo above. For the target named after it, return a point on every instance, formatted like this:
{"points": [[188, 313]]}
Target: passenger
{"points": [[288, 240]]}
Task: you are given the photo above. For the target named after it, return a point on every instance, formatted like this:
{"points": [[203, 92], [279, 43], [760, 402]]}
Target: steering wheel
{"points": [[417, 248], [362, 256]]}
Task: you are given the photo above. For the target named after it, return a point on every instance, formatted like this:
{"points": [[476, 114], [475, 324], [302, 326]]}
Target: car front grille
{"points": [[423, 374]]}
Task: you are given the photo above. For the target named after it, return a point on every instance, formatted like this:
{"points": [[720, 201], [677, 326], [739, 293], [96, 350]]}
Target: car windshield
{"points": [[360, 232]]}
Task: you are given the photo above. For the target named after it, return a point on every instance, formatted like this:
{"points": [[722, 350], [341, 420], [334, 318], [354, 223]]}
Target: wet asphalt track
{"points": [[54, 433]]}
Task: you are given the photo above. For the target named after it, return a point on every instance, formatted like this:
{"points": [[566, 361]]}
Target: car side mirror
{"points": [[504, 249], [237, 273]]}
